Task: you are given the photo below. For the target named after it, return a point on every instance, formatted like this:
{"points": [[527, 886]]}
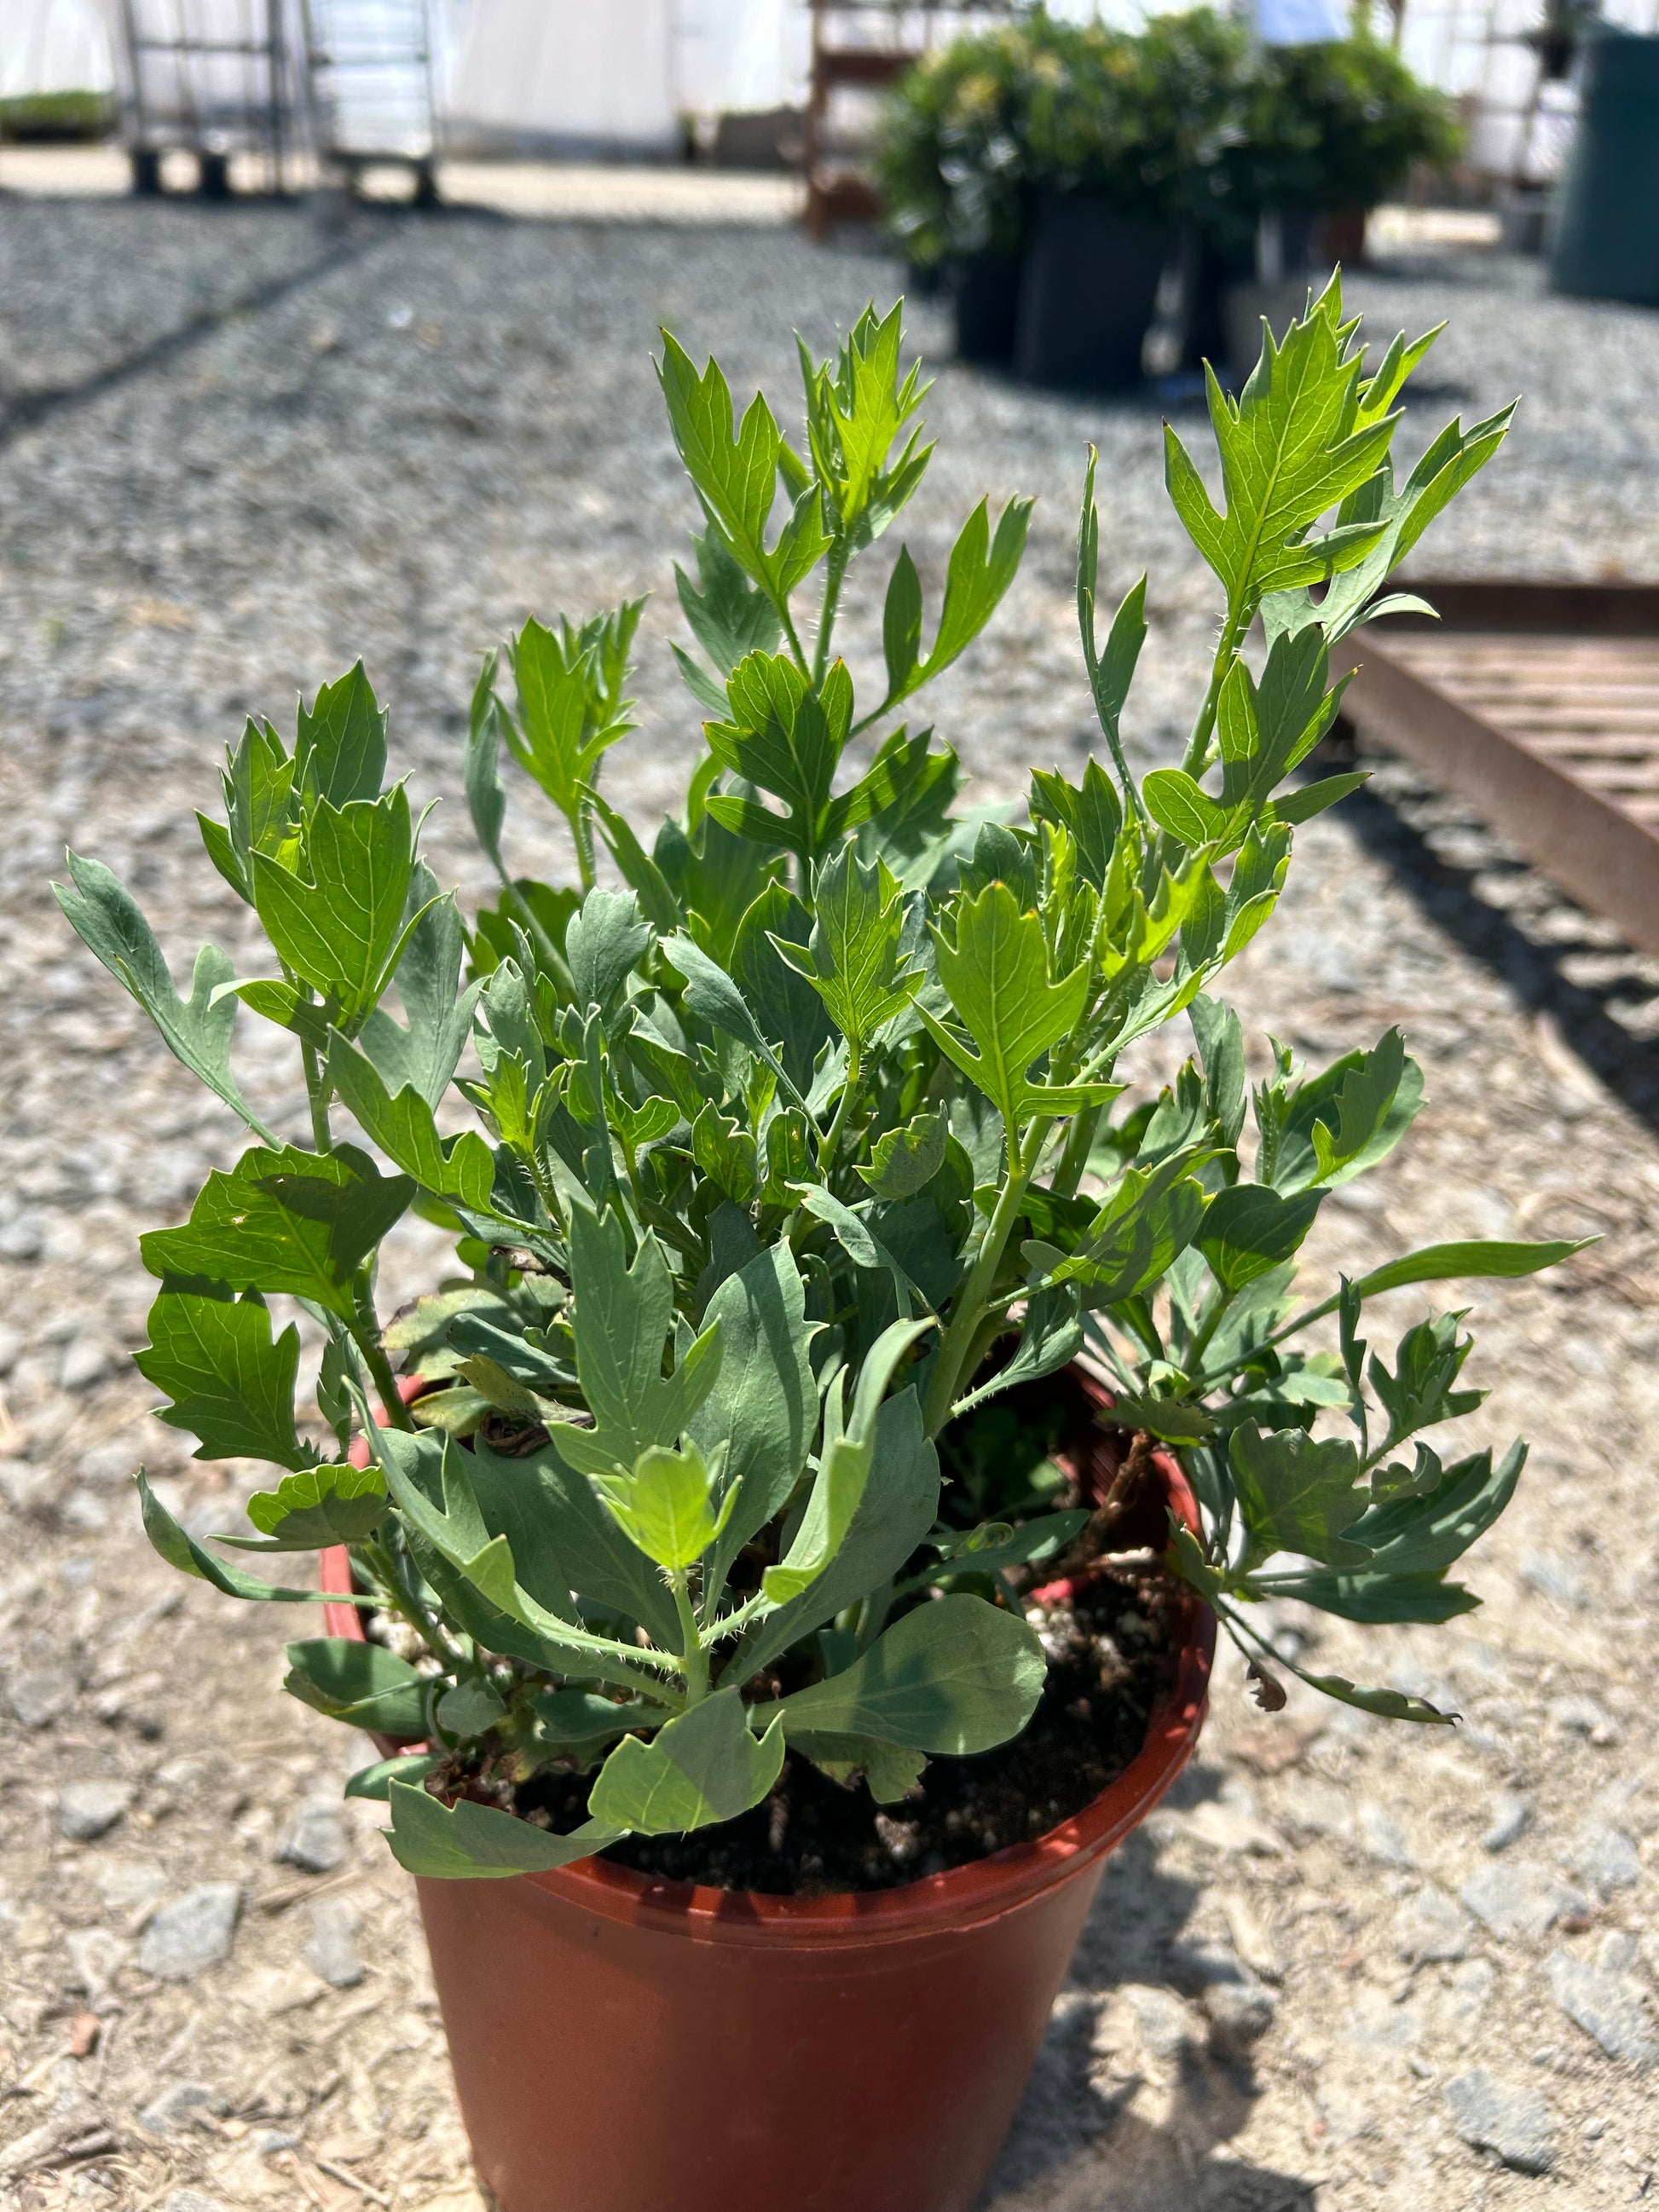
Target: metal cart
{"points": [[369, 84], [215, 78]]}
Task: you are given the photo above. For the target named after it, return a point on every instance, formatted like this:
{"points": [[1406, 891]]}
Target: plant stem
{"points": [[543, 944], [317, 1090], [691, 1646], [383, 1561], [1079, 1140], [790, 633], [832, 1138], [365, 1327], [1196, 758], [1208, 1326], [838, 557], [970, 1306]]}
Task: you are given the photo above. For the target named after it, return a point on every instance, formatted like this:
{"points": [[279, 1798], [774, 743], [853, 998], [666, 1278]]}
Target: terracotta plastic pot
{"points": [[620, 2042]]}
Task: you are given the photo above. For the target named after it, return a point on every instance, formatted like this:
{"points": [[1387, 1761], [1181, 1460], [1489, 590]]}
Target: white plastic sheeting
{"points": [[567, 73], [620, 77], [52, 46]]}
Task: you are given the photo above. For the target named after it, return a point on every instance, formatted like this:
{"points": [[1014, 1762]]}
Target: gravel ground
{"points": [[1349, 1966]]}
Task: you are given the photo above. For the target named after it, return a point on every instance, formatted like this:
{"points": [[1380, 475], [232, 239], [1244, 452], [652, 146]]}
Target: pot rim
{"points": [[959, 1896]]}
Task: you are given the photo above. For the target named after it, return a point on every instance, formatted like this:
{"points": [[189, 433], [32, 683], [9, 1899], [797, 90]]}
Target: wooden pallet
{"points": [[1539, 704]]}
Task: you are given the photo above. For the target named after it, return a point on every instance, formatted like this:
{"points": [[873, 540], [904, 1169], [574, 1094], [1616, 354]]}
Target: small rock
{"points": [[1473, 1981], [175, 2110], [1320, 1807], [332, 1950], [1431, 1926], [27, 1487], [1239, 2013], [1553, 1576], [193, 2200], [268, 2140], [1617, 1953], [38, 1698], [86, 1361], [96, 1956], [1504, 2117], [108, 1464], [1583, 1716], [84, 1512], [316, 1842], [1519, 1898], [1163, 2025], [1381, 1834], [1604, 1857], [87, 1810], [1252, 1937], [1610, 2007], [1510, 1815], [194, 1933], [1595, 2128], [130, 1885], [24, 1238]]}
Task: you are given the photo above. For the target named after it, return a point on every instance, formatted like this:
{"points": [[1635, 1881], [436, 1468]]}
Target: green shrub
{"points": [[1185, 120], [780, 1161]]}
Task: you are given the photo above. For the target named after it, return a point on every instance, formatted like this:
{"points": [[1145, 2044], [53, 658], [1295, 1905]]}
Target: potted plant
{"points": [[1044, 164], [1122, 145], [953, 168], [756, 1782]]}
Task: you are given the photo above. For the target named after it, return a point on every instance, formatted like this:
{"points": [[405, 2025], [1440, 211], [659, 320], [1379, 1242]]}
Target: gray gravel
{"points": [[236, 455]]}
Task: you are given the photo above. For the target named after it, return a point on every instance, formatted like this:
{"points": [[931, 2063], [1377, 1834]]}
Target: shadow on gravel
{"points": [[1396, 819], [25, 409], [1079, 2144]]}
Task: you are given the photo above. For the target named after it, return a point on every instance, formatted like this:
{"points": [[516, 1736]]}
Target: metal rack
{"points": [[369, 84], [865, 49], [215, 78]]}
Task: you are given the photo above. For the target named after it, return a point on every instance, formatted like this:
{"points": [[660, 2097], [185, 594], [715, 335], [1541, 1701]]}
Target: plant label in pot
{"points": [[737, 1555]]}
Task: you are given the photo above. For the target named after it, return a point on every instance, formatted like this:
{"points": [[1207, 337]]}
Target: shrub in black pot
{"points": [[951, 162], [1122, 145], [1067, 149]]}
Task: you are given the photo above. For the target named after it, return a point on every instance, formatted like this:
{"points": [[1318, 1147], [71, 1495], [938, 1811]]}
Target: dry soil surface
{"points": [[1347, 1965]]}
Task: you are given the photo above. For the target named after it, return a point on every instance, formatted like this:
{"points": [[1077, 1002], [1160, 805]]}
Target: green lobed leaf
{"points": [[763, 1405], [231, 1385], [289, 1220], [1250, 1229], [466, 1842], [197, 1031], [905, 1158], [702, 1768], [339, 926], [955, 1676], [1444, 1263], [180, 1549], [668, 1505], [423, 1054], [339, 752], [459, 1168], [1298, 1494], [335, 1503], [623, 1316], [996, 976], [360, 1683]]}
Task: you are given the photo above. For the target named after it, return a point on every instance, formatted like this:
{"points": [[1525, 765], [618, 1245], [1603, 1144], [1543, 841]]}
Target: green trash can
{"points": [[1607, 224]]}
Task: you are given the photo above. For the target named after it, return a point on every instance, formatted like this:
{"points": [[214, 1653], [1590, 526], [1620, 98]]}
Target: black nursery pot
{"points": [[985, 290], [1088, 293]]}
